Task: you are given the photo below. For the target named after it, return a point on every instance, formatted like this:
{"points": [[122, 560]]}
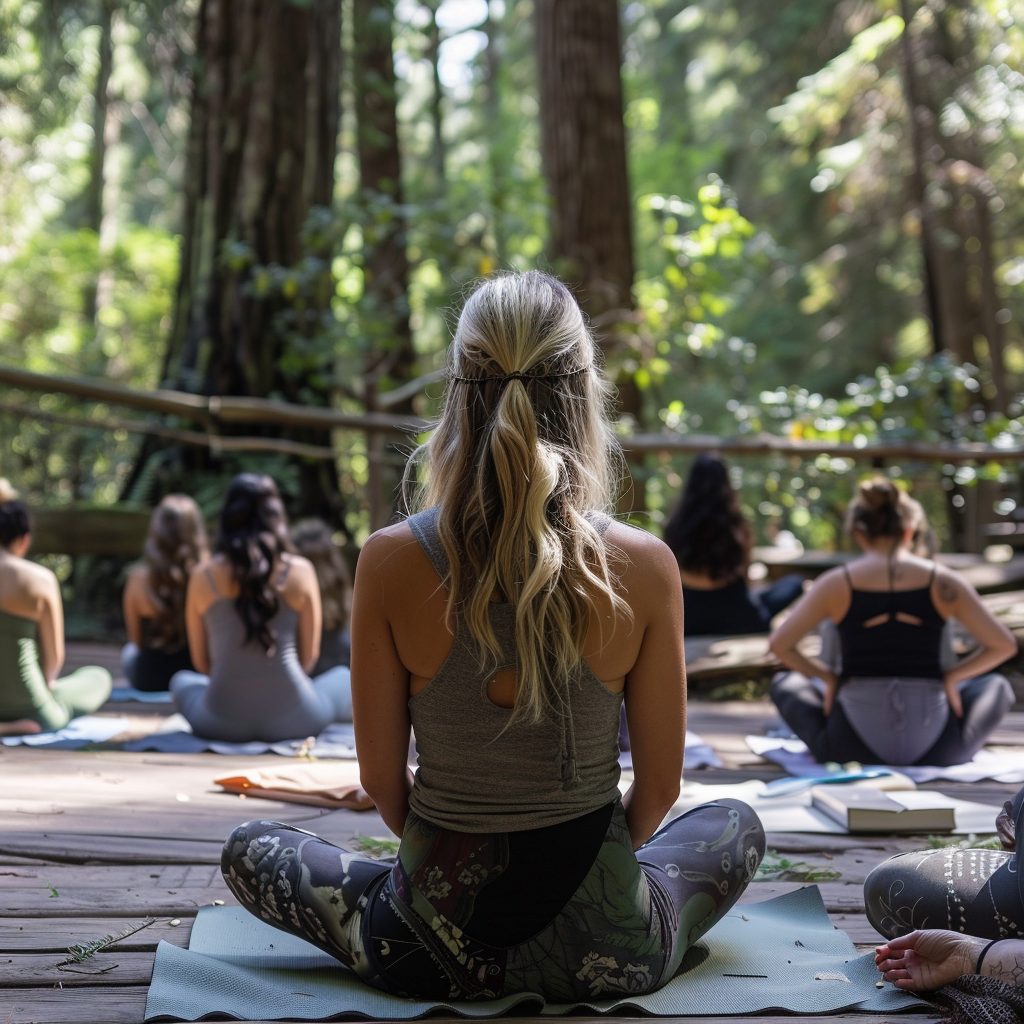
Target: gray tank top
{"points": [[476, 772], [244, 676]]}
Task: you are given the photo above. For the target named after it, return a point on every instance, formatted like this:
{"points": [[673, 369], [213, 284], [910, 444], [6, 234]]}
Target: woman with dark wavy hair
{"points": [[712, 540], [154, 595], [253, 619], [32, 696], [506, 622]]}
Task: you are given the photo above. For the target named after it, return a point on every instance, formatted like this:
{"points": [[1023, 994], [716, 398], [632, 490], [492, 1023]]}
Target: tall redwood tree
{"points": [[261, 155]]}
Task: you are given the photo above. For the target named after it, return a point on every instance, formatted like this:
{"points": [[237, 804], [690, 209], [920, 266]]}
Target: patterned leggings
{"points": [[977, 892], [398, 925]]}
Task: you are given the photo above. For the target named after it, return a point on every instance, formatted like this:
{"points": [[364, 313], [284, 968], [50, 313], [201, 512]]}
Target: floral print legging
{"points": [[399, 925]]}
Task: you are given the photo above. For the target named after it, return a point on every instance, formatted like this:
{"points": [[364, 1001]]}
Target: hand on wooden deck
{"points": [[929, 959]]}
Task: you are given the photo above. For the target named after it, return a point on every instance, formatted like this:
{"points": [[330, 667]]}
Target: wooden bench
{"points": [[984, 576], [89, 530]]}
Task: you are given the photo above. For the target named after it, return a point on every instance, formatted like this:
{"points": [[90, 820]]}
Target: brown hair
{"points": [[881, 509], [314, 540], [176, 543]]}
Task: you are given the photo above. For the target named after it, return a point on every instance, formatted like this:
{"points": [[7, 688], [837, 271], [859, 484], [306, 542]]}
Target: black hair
{"points": [[707, 532], [14, 522], [253, 536]]}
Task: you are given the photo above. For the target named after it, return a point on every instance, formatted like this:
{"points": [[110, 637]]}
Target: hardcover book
{"points": [[861, 809]]}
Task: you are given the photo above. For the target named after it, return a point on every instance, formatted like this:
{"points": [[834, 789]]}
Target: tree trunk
{"points": [[390, 359], [583, 147], [256, 285], [583, 143]]}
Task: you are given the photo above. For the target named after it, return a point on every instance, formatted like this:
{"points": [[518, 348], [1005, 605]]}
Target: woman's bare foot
{"points": [[20, 727]]}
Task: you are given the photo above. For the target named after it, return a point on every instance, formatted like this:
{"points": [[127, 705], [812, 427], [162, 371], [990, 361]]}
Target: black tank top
{"points": [[894, 647]]}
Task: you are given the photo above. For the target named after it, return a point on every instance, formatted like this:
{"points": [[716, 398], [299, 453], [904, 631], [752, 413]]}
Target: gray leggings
{"points": [[327, 700], [986, 700]]}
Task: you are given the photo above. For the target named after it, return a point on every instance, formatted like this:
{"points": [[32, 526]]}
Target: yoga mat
{"points": [[792, 812], [697, 754], [782, 954], [120, 694], [337, 740], [79, 732], [793, 756]]}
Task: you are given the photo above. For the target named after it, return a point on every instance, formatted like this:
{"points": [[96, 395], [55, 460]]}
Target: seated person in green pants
{"points": [[32, 698]]}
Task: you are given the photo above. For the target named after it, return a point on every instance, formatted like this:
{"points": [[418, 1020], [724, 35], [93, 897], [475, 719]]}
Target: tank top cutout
{"points": [[888, 633]]}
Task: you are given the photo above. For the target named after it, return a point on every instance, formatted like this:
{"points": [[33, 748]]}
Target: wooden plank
{"points": [[75, 848], [81, 1006], [151, 902], [108, 876], [56, 934], [26, 970]]}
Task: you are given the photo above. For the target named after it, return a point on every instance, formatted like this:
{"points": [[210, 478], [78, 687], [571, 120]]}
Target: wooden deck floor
{"points": [[103, 843]]}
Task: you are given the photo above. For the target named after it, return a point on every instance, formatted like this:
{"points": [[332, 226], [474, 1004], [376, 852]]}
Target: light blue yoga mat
{"points": [[77, 733], [782, 954]]}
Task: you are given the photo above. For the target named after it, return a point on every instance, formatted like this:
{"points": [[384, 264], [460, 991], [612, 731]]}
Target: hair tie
{"points": [[981, 956], [502, 380]]}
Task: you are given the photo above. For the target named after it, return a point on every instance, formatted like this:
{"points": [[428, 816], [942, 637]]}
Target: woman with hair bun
{"points": [[252, 614], [32, 697], [154, 596], [712, 541], [894, 701], [506, 622]]}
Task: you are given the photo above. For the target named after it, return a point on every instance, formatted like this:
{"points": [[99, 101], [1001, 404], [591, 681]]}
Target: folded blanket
{"points": [[320, 785]]}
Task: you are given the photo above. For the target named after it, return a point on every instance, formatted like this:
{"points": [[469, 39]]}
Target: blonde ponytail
{"points": [[522, 454]]}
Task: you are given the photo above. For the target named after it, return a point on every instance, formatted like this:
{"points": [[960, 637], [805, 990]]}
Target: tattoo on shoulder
{"points": [[948, 590]]}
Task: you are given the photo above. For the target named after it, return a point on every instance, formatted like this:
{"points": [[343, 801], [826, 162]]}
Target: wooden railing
{"points": [[211, 412]]}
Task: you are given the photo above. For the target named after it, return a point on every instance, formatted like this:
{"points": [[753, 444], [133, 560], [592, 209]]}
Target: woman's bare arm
{"points": [[954, 596], [131, 604], [197, 600], [49, 622], [380, 687], [828, 598], [655, 690], [303, 593]]}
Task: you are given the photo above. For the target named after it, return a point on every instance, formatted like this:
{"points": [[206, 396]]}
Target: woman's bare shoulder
{"points": [[390, 548], [636, 552]]}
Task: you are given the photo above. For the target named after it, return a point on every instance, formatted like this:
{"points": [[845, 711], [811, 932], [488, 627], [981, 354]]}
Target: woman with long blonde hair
{"points": [[506, 622]]}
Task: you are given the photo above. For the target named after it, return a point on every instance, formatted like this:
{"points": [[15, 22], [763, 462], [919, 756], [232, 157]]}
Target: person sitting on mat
{"points": [[32, 697], [506, 622], [893, 703], [943, 910], [314, 539], [154, 596], [712, 541], [253, 618]]}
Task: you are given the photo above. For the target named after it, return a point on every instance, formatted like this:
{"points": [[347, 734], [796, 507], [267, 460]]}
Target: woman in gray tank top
{"points": [[506, 622], [253, 618]]}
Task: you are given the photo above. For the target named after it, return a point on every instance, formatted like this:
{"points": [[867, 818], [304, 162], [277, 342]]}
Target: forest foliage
{"points": [[791, 167]]}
